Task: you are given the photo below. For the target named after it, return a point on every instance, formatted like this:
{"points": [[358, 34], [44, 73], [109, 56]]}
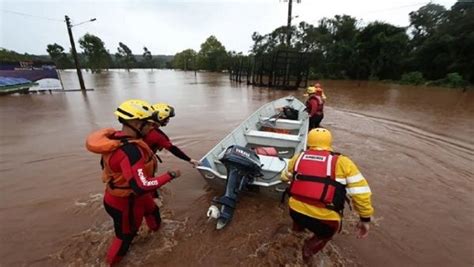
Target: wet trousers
{"points": [[127, 214], [323, 231], [315, 121]]}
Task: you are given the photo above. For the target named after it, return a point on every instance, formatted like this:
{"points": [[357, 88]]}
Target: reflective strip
{"points": [[298, 162], [350, 180], [358, 190], [355, 178], [328, 167]]}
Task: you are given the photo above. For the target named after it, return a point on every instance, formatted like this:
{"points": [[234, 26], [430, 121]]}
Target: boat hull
{"points": [[264, 128]]}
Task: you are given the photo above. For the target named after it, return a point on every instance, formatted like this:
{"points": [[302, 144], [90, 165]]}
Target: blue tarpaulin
{"points": [[9, 81]]}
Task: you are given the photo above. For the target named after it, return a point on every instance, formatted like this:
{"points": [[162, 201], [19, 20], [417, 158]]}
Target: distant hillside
{"points": [[159, 61]]}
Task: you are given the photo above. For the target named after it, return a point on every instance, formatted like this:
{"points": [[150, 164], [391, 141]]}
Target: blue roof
{"points": [[8, 81]]}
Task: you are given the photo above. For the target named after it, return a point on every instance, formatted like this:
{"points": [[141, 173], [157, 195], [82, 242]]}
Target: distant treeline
{"points": [[64, 60], [96, 57], [437, 48]]}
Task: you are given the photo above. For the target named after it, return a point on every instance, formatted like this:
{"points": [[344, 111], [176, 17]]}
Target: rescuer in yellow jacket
{"points": [[321, 180]]}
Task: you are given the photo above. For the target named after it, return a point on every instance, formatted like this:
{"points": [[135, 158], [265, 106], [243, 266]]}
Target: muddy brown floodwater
{"points": [[413, 144]]}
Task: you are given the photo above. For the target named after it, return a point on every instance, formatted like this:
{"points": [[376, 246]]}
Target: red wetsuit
{"points": [[130, 202], [156, 139]]}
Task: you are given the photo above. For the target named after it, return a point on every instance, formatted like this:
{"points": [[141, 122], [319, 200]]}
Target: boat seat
{"points": [[269, 164], [286, 121], [273, 164], [273, 135], [264, 138]]}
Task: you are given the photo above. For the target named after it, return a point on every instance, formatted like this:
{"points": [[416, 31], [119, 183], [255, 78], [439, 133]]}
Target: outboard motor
{"points": [[242, 165]]}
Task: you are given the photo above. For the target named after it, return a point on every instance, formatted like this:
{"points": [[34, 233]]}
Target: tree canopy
{"points": [[212, 55], [59, 57], [437, 42], [125, 56], [98, 57]]}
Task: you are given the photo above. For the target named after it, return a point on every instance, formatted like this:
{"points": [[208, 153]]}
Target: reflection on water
{"points": [[414, 144]]}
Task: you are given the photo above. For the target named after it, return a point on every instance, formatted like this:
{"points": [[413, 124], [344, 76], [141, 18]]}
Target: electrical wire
{"points": [[29, 15]]}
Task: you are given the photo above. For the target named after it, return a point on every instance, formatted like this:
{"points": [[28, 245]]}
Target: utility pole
{"points": [[288, 28], [74, 53]]}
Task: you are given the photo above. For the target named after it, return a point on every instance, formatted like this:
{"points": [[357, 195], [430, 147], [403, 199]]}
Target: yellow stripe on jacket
{"points": [[348, 174]]}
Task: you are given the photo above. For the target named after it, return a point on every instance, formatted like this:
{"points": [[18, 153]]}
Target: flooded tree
{"points": [[147, 58], [185, 60], [125, 56], [61, 59], [98, 57], [212, 55]]}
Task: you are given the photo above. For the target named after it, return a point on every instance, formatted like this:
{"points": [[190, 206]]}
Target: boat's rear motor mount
{"points": [[242, 166]]}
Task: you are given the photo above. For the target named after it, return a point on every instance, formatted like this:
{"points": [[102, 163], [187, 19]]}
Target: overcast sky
{"points": [[170, 26]]}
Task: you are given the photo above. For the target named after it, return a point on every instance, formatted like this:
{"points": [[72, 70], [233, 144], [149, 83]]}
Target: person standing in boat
{"points": [[314, 107], [157, 139], [128, 165], [320, 180]]}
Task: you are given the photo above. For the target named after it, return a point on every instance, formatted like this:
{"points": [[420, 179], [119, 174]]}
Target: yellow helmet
{"points": [[135, 109], [310, 90], [164, 110], [320, 138]]}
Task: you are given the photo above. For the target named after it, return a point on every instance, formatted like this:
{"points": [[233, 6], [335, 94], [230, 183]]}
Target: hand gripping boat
{"points": [[254, 155]]}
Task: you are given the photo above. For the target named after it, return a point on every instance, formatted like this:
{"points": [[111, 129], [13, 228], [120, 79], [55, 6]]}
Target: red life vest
{"points": [[314, 180], [318, 98]]}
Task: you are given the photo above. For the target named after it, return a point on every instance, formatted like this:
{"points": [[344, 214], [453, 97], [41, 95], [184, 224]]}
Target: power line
{"points": [[29, 15]]}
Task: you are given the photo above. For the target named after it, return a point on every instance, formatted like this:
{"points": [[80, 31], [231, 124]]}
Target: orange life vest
{"points": [[105, 143], [314, 180]]}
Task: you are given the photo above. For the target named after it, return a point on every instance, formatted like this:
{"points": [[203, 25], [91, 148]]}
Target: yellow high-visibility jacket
{"points": [[348, 174]]}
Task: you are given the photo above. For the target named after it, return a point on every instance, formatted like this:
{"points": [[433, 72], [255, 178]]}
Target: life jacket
{"points": [[105, 142], [318, 98], [314, 180]]}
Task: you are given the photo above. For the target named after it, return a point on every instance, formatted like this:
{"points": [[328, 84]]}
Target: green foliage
{"points": [[185, 60], [454, 80], [212, 55], [441, 42], [382, 48], [61, 59], [445, 42], [8, 55], [147, 58], [414, 78], [125, 56], [272, 41], [98, 57], [425, 21]]}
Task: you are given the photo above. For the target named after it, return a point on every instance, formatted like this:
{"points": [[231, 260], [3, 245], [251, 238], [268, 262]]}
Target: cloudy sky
{"points": [[170, 26]]}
